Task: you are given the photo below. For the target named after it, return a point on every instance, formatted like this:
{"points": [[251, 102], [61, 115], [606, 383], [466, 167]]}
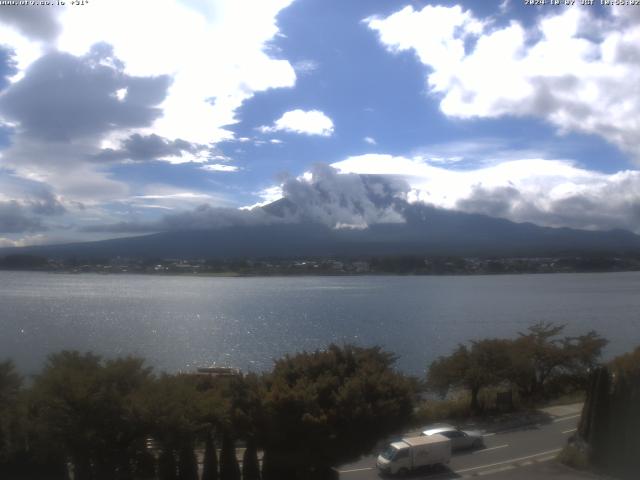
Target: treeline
{"points": [[117, 420], [608, 429], [539, 364], [23, 262]]}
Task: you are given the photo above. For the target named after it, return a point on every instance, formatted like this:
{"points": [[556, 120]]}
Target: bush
{"points": [[431, 411], [574, 457]]}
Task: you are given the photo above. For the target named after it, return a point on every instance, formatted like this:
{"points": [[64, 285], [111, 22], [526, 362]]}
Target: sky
{"points": [[119, 118]]}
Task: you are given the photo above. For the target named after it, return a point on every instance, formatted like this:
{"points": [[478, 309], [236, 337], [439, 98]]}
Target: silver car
{"points": [[460, 439]]}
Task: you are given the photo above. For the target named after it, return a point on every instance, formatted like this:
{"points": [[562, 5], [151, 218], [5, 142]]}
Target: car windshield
{"points": [[389, 453]]}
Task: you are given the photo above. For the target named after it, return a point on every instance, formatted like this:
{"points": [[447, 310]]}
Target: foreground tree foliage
{"points": [[538, 363], [115, 420], [84, 405], [330, 406]]}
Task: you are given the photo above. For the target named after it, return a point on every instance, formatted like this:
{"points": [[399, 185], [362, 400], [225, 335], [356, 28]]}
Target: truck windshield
{"points": [[389, 453]]}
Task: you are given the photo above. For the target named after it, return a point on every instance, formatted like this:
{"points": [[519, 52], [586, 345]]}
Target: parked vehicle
{"points": [[415, 452], [460, 439]]}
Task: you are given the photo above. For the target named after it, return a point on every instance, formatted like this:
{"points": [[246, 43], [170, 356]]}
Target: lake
{"points": [[180, 322]]}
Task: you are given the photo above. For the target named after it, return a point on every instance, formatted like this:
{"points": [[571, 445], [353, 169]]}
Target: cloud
{"points": [[310, 122], [185, 39], [555, 193], [15, 218], [7, 66], [577, 71], [306, 67], [80, 97], [37, 239], [219, 167], [36, 23], [321, 196], [370, 140], [59, 128], [142, 148]]}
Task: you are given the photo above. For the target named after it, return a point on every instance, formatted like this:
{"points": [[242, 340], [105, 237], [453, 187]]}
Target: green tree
{"points": [[210, 462], [229, 468], [539, 355], [628, 363], [483, 364], [250, 464], [172, 410], [331, 406], [85, 406], [10, 384]]}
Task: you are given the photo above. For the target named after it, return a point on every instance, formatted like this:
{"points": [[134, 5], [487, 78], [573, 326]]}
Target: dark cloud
{"points": [[15, 218], [44, 202], [615, 205], [36, 23], [63, 97], [497, 202], [204, 217], [149, 147]]}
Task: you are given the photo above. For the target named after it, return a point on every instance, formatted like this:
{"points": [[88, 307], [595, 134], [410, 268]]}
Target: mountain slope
{"points": [[427, 231]]}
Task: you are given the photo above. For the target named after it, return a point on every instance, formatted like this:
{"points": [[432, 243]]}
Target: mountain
{"points": [[426, 231]]}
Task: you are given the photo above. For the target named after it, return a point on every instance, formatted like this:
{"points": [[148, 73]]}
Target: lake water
{"points": [[178, 323]]}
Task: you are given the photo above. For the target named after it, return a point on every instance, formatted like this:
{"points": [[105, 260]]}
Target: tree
{"points": [[250, 464], [10, 384], [628, 363], [85, 407], [172, 411], [538, 355], [229, 468], [331, 406], [484, 364], [210, 462]]}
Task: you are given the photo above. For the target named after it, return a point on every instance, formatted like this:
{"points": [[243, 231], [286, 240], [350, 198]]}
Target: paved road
{"points": [[503, 451]]}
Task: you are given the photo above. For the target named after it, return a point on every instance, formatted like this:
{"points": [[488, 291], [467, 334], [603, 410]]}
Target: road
{"points": [[503, 451]]}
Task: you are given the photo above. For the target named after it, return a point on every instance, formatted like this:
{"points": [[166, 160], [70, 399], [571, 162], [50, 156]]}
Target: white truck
{"points": [[410, 453]]}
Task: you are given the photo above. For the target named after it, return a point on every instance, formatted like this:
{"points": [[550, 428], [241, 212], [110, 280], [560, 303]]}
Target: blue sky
{"points": [[107, 118]]}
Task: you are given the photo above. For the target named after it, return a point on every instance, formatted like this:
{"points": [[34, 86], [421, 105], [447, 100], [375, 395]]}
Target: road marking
{"points": [[566, 418], [491, 448], [355, 470], [569, 431], [545, 459], [497, 470], [488, 435], [513, 460]]}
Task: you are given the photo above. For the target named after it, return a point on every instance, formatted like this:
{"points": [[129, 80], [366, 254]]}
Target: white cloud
{"points": [[546, 192], [131, 82], [577, 71], [216, 53], [38, 239], [219, 167], [305, 67], [268, 195], [309, 122], [370, 140]]}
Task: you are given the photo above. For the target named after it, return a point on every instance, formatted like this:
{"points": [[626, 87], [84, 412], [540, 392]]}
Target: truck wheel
{"points": [[403, 472]]}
